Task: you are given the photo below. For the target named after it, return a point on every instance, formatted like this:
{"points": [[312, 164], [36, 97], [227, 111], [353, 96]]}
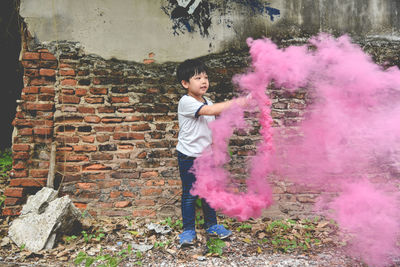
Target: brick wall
{"points": [[115, 126]]}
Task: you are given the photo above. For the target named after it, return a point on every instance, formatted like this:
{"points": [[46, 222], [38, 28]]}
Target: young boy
{"points": [[194, 113]]}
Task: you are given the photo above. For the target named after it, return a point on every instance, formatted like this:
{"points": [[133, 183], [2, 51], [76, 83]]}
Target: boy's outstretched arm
{"points": [[217, 108]]}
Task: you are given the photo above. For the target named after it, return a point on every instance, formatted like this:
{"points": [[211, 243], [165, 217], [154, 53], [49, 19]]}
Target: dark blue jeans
{"points": [[188, 200]]}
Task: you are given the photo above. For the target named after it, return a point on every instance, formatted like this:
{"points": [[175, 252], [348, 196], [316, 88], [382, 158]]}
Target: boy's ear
{"points": [[185, 84]]}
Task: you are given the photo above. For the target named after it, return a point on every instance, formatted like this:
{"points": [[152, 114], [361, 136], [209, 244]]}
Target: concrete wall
{"points": [[171, 30]]}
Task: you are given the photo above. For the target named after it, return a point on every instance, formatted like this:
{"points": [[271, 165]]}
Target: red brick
{"points": [[41, 81], [69, 82], [104, 129], [87, 139], [140, 127], [11, 201], [67, 140], [98, 91], [69, 109], [30, 55], [19, 165], [126, 110], [120, 99], [149, 174], [142, 155], [174, 182], [77, 158], [11, 211], [111, 120], [43, 131], [128, 136], [47, 90], [31, 98], [39, 106], [30, 90], [20, 147], [25, 131], [144, 202], [128, 194], [80, 205], [28, 182], [47, 72], [65, 66], [80, 91], [30, 64], [102, 138], [86, 110], [105, 109], [92, 119], [86, 186], [151, 191], [122, 204], [20, 155], [85, 148], [102, 156], [14, 192], [155, 183], [94, 100], [67, 72], [38, 173], [47, 56], [153, 91], [43, 97], [96, 167], [69, 99], [143, 213], [19, 173], [125, 147], [95, 176], [67, 91], [122, 128], [115, 194]]}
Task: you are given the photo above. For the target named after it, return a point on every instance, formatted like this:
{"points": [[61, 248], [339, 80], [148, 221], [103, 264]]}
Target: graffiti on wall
{"points": [[195, 15]]}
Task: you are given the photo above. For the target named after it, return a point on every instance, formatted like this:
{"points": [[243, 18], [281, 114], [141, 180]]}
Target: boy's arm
{"points": [[217, 108]]}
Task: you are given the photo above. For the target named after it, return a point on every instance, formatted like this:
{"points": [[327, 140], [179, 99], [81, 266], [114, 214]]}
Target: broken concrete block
{"points": [[44, 219], [159, 229]]}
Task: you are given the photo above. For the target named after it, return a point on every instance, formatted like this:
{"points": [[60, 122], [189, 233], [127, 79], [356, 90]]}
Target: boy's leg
{"points": [[188, 200], [210, 221], [210, 216]]}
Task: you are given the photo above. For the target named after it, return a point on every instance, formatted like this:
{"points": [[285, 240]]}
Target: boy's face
{"points": [[197, 85]]}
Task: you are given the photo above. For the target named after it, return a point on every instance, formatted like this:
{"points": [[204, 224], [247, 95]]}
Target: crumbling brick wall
{"points": [[115, 126]]}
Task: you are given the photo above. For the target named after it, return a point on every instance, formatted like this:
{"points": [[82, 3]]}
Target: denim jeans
{"points": [[188, 203]]}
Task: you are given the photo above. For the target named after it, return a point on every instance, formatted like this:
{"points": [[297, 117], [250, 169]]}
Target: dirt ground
{"points": [[124, 242]]}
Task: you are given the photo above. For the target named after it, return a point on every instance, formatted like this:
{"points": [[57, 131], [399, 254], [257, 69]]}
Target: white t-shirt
{"points": [[194, 133]]}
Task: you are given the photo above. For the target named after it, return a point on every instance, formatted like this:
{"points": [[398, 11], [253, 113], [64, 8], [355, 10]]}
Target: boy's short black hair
{"points": [[190, 67]]}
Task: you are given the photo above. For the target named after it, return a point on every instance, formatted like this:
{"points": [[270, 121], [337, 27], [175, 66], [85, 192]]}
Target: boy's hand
{"points": [[244, 101]]}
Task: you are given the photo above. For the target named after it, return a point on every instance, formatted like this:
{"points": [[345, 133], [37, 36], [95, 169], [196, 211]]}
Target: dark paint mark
{"points": [[182, 20], [200, 19]]}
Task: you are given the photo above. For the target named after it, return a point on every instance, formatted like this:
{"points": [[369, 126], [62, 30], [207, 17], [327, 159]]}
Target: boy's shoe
{"points": [[219, 230], [187, 238]]}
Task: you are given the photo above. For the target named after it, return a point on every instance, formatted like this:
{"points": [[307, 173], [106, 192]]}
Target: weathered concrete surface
{"points": [[43, 219], [170, 30]]}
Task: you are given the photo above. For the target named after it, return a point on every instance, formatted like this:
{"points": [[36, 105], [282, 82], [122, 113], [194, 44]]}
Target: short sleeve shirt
{"points": [[194, 133]]}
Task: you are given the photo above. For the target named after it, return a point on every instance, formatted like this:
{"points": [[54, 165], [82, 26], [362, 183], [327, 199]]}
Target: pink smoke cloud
{"points": [[349, 138]]}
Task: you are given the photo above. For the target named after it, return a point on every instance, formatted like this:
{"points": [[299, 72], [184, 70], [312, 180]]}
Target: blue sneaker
{"points": [[219, 230], [187, 238]]}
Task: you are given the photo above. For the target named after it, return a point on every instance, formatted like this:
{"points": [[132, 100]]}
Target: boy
{"points": [[194, 113]]}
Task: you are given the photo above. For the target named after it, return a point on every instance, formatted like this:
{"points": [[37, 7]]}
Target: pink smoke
{"points": [[349, 138]]}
